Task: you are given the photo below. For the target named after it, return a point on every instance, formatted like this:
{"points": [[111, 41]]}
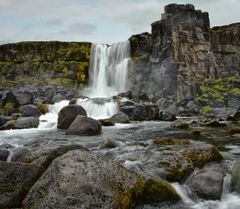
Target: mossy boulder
{"points": [[82, 178], [159, 191], [170, 141], [180, 124], [202, 154]]}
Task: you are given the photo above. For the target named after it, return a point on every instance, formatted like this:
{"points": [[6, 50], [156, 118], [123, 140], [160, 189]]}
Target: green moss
{"points": [[61, 81], [205, 109], [170, 141], [159, 191]]}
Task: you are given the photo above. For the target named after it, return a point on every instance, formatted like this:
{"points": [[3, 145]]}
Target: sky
{"points": [[98, 21]]}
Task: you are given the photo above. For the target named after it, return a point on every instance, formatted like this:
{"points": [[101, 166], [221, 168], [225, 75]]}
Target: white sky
{"points": [[104, 21]]}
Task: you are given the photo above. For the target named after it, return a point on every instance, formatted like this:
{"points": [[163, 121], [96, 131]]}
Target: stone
{"points": [[120, 117], [167, 116], [68, 114], [158, 191], [24, 98], [2, 120], [15, 182], [27, 122], [107, 122], [207, 183], [9, 125], [170, 141], [214, 123], [180, 124], [84, 126], [235, 184], [201, 154], [82, 179], [175, 167], [29, 111], [19, 154], [4, 153]]}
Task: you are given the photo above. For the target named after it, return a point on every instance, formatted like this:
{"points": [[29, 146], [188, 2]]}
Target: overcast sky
{"points": [[100, 21]]}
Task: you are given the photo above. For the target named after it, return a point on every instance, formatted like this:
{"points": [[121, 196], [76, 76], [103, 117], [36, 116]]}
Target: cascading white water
{"points": [[108, 77], [108, 70], [228, 200]]}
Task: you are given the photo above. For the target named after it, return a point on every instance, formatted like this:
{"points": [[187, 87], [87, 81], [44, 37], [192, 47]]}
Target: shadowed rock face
{"points": [[183, 52]]}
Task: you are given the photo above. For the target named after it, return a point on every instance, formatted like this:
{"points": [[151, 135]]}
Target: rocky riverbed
{"points": [[127, 166]]}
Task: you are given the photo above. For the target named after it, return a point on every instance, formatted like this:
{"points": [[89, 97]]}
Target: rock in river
{"points": [[80, 179], [84, 126], [68, 114]]}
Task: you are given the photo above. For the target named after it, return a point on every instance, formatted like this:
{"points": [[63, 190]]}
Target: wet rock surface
{"points": [[68, 114], [84, 126], [81, 179]]}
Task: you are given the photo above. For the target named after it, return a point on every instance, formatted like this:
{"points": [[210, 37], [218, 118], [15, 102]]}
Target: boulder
{"points": [[170, 141], [214, 123], [4, 153], [84, 126], [15, 182], [235, 177], [24, 98], [29, 111], [201, 154], [3, 120], [27, 122], [80, 179], [68, 114], [121, 117], [167, 116], [180, 124], [175, 167], [19, 154], [9, 125], [158, 191], [107, 122], [207, 183]]}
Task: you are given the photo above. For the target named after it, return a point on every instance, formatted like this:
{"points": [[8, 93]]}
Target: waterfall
{"points": [[108, 70], [108, 76]]}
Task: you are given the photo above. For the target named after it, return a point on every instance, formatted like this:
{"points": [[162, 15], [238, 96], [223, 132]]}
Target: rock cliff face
{"points": [[184, 52], [44, 63], [225, 45]]}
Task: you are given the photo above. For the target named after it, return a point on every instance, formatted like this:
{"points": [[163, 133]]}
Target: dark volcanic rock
{"points": [[121, 117], [68, 114], [81, 179], [27, 122], [167, 116], [15, 182], [208, 182], [24, 98], [29, 111], [84, 126]]}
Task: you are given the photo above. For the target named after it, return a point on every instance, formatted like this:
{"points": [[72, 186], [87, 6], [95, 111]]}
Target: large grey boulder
{"points": [[207, 183], [121, 117], [16, 179], [29, 111], [68, 114], [27, 122], [84, 126], [80, 179]]}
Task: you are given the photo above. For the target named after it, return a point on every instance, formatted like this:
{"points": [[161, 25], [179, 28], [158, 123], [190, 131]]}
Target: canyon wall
{"points": [[44, 63], [184, 53]]}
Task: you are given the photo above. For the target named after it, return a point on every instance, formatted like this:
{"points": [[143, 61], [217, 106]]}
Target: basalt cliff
{"points": [[181, 65]]}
